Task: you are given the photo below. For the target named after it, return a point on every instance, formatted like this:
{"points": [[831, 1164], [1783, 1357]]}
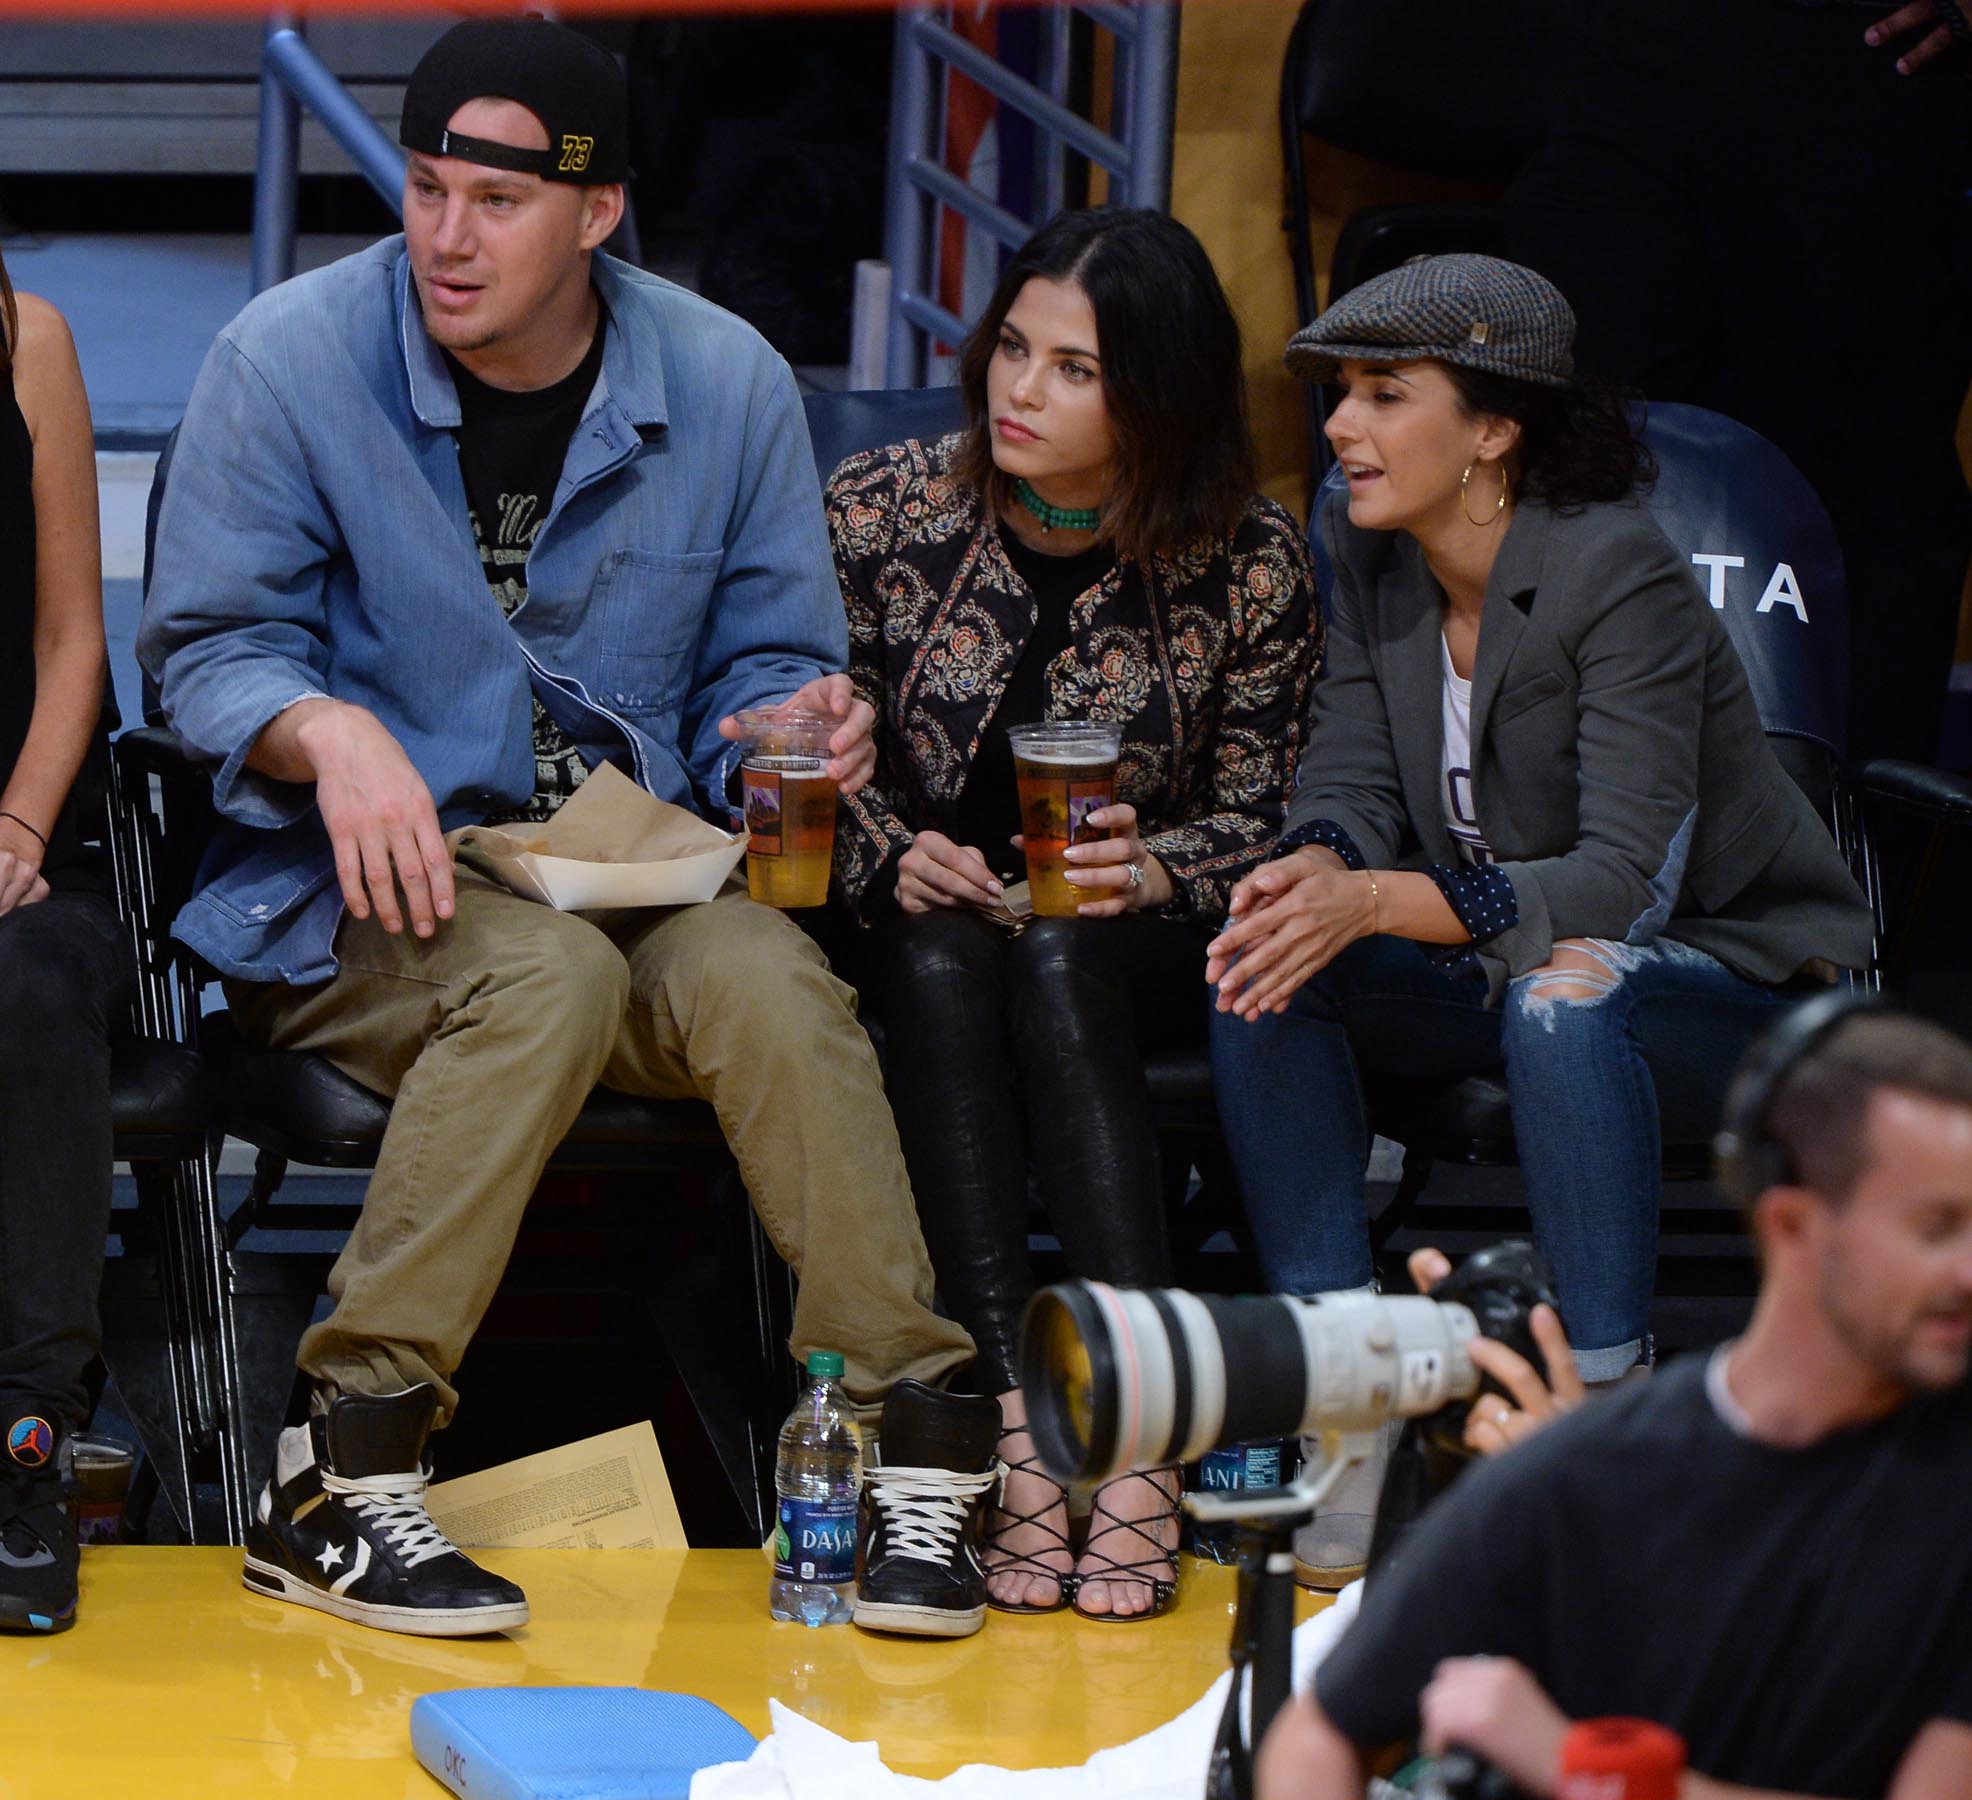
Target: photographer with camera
{"points": [[1758, 1549], [1527, 1397]]}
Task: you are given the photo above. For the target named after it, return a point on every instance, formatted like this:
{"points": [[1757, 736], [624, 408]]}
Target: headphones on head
{"points": [[1750, 1158]]}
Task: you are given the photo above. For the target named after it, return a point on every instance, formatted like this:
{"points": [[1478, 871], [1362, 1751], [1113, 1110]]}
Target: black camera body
{"points": [[1500, 1285]]}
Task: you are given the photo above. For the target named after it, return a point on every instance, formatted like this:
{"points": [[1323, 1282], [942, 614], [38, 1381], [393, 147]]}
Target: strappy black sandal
{"points": [[1002, 1521], [1157, 1569]]}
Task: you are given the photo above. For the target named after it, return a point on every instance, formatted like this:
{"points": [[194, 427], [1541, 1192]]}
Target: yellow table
{"points": [[179, 1685]]}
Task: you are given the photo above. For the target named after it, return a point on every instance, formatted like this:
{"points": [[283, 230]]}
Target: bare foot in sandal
{"points": [[1027, 1553], [1129, 1563]]}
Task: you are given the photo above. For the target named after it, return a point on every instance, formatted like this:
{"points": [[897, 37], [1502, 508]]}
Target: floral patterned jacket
{"points": [[1205, 659]]}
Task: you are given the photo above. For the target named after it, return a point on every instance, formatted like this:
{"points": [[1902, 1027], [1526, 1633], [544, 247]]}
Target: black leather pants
{"points": [[1003, 1051]]}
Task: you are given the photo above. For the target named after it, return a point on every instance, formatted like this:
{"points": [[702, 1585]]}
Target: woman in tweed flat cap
{"points": [[1539, 829]]}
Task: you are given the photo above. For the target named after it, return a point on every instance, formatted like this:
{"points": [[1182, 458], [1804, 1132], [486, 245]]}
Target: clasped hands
{"points": [[383, 825], [936, 872], [1286, 922]]}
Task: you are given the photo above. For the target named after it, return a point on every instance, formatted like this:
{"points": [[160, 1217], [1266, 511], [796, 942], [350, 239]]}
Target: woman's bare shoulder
{"points": [[47, 373], [40, 328]]}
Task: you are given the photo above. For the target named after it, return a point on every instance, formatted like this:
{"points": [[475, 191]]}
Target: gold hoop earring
{"points": [[1499, 505]]}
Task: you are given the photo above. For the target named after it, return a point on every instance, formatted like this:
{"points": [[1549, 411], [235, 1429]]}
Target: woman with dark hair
{"points": [[1088, 548], [64, 957], [1541, 830]]}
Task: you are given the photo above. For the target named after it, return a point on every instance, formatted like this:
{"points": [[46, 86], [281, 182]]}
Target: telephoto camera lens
{"points": [[1121, 1378]]}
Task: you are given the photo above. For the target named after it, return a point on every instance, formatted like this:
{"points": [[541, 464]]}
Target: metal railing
{"points": [[1134, 151], [292, 76], [293, 79]]}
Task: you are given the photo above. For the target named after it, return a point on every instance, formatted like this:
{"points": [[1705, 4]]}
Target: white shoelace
{"points": [[925, 1509], [396, 1502]]}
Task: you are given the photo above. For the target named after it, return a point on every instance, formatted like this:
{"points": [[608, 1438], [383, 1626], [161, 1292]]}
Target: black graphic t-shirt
{"points": [[511, 450]]}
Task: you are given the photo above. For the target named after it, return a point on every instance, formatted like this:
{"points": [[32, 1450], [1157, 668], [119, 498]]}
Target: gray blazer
{"points": [[1619, 770]]}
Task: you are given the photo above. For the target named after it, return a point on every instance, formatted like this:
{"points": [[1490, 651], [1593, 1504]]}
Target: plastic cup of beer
{"points": [[789, 805], [1065, 772], [99, 1471]]}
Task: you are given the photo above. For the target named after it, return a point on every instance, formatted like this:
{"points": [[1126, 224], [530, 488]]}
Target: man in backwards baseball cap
{"points": [[571, 85], [517, 131], [450, 524]]}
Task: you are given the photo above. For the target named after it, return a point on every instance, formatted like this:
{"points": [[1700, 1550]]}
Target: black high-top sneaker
{"points": [[342, 1526], [922, 1573], [38, 1556]]}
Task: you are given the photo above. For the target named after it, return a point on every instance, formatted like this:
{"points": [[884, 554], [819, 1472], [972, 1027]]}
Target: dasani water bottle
{"points": [[817, 1475]]}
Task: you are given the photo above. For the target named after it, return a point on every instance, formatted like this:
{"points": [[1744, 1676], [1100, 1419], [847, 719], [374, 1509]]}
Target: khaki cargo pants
{"points": [[488, 1037]]}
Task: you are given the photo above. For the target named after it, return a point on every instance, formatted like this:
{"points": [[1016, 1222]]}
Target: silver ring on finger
{"points": [[1136, 874]]}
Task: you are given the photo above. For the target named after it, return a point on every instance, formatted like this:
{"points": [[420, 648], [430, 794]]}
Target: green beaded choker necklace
{"points": [[1066, 518]]}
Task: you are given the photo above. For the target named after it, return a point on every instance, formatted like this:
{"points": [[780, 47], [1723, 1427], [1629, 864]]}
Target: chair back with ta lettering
{"points": [[1763, 549]]}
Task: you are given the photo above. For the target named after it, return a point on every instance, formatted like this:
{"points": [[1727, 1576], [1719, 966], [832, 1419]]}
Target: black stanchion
{"points": [[1262, 1637]]}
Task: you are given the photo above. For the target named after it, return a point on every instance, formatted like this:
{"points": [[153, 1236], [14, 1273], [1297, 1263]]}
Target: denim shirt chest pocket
{"points": [[652, 605]]}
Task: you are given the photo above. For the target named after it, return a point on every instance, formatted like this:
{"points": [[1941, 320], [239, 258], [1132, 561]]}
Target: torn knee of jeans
{"points": [[1567, 984], [1577, 975]]}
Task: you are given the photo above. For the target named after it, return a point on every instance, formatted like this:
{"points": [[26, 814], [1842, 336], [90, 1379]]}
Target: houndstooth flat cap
{"points": [[1476, 311]]}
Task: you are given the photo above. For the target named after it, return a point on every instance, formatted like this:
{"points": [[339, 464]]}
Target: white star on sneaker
{"points": [[330, 1558]]}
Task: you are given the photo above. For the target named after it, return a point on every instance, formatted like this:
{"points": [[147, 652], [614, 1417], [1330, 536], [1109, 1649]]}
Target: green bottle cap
{"points": [[825, 1363]]}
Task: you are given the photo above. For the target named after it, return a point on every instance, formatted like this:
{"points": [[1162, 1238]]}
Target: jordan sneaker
{"points": [[38, 1555]]}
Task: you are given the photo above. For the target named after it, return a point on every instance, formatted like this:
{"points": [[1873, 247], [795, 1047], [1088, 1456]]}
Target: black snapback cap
{"points": [[573, 86]]}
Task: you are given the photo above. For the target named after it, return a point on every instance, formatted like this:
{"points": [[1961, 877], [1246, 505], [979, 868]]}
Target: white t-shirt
{"points": [[1461, 819]]}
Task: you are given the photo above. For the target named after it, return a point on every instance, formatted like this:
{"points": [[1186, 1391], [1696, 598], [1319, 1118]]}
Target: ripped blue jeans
{"points": [[1588, 1052]]}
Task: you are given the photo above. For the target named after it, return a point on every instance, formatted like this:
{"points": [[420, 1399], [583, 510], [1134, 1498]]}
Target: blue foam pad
{"points": [[572, 1743]]}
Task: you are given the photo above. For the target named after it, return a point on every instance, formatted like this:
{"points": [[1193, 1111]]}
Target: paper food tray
{"points": [[611, 844], [571, 886]]}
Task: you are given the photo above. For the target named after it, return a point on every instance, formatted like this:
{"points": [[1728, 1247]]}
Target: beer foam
{"points": [[1084, 755]]}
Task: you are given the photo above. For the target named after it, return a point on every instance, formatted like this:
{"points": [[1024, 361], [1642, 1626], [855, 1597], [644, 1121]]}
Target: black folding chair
{"points": [[1918, 863]]}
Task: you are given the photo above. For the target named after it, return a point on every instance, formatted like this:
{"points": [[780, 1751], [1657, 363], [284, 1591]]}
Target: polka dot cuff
{"points": [[1482, 897], [1326, 834]]}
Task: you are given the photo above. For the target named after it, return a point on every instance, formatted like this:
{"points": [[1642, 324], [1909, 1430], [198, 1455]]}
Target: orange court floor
{"points": [[177, 1684]]}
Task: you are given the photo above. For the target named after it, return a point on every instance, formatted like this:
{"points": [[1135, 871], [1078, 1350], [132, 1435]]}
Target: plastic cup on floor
{"points": [[99, 1471]]}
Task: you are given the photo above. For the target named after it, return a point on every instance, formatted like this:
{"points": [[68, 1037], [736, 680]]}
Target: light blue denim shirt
{"points": [[314, 539]]}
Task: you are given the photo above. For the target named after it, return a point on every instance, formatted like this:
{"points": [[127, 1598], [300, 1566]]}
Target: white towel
{"points": [[800, 1760]]}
